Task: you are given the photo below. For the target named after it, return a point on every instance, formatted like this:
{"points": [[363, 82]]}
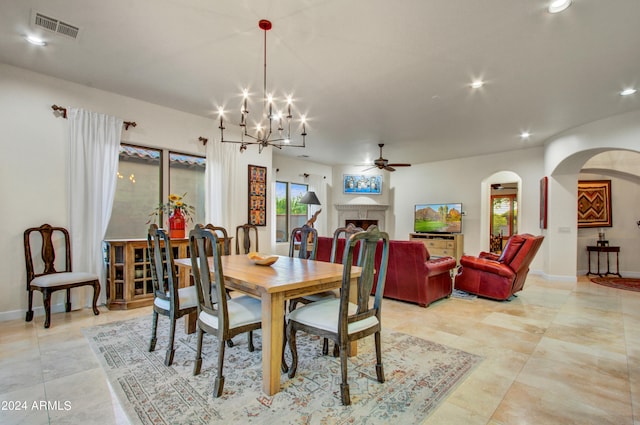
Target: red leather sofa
{"points": [[411, 274], [498, 277]]}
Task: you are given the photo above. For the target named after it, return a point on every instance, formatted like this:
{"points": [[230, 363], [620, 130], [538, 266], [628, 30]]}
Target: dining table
{"points": [[287, 278]]}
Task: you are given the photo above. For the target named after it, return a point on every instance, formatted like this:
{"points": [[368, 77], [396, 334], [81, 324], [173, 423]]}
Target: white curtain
{"points": [[317, 184], [94, 141], [222, 187]]}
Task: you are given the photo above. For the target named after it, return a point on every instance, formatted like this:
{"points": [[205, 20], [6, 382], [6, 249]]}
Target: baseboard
{"points": [[37, 311], [562, 278]]}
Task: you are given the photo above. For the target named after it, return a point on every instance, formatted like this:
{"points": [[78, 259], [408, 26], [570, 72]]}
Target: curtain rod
{"points": [[62, 109]]}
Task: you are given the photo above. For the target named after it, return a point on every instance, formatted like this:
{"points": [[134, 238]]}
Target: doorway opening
{"points": [[504, 214]]}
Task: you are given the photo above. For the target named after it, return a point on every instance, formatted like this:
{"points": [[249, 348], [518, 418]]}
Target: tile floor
{"points": [[559, 353]]}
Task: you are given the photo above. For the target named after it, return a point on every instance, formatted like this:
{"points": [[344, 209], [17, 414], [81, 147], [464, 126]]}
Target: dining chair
{"points": [[217, 315], [42, 274], [341, 320], [225, 243], [246, 231], [305, 240], [342, 233], [223, 238], [303, 243], [168, 299]]}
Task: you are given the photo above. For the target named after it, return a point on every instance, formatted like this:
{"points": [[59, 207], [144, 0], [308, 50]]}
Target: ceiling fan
{"points": [[383, 163]]}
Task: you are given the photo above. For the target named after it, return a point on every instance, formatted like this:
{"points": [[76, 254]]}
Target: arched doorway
{"points": [[505, 187]]}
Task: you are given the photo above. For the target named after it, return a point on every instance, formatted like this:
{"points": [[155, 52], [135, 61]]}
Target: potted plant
{"points": [[179, 214]]}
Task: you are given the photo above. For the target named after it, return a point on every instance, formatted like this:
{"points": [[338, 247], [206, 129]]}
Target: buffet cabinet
{"points": [[441, 245], [129, 282]]}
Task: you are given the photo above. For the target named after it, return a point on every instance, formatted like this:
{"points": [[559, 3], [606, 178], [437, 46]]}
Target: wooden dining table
{"points": [[285, 279]]}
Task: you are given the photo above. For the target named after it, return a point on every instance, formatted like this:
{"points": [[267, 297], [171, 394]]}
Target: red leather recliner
{"points": [[498, 277]]}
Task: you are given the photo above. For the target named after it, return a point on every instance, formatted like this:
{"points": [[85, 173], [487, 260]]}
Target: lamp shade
{"points": [[310, 198]]}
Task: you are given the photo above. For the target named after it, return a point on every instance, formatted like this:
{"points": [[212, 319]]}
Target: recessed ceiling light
{"points": [[477, 84], [525, 135], [35, 40], [627, 92], [557, 6]]}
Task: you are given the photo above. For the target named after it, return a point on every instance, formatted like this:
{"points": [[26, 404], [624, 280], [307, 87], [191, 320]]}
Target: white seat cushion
{"points": [[324, 315], [188, 298], [56, 279], [242, 310]]}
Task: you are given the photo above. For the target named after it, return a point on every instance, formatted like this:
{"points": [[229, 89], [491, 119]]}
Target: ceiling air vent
{"points": [[54, 25]]}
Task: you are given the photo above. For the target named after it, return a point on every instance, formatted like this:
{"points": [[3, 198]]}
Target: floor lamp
{"points": [[310, 198]]}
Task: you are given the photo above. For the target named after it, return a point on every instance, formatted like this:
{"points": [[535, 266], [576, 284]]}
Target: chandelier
{"points": [[274, 127]]}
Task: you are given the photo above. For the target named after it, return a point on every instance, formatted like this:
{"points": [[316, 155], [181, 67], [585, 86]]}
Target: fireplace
{"points": [[362, 215], [362, 223]]}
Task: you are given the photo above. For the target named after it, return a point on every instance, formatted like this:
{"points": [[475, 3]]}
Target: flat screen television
{"points": [[438, 218]]}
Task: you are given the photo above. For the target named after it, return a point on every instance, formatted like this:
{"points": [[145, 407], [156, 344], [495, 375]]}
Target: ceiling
{"points": [[364, 71]]}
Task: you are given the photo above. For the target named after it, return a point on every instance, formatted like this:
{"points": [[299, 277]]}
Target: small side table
{"points": [[607, 250]]}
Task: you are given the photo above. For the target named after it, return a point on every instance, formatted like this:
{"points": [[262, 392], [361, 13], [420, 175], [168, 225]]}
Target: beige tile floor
{"points": [[559, 353]]}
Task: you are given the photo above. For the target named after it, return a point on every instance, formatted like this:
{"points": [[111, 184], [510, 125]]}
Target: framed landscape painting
{"points": [[360, 184], [594, 203]]}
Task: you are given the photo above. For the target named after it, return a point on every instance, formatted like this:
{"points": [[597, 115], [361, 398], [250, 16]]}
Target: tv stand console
{"points": [[440, 244]]}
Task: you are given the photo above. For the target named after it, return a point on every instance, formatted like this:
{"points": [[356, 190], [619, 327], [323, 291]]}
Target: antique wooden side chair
{"points": [[42, 274], [246, 231], [217, 315], [339, 319], [168, 299], [223, 239]]}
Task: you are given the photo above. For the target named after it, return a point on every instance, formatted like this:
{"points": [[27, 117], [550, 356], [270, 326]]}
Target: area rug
{"points": [[419, 375], [456, 293], [629, 284]]}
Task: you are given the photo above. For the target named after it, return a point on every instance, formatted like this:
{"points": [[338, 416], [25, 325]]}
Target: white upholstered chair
{"points": [[43, 276], [341, 320], [168, 299], [218, 315]]}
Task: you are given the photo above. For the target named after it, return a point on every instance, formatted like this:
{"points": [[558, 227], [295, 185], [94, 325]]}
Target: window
{"points": [[290, 213], [504, 213], [140, 188], [186, 176]]}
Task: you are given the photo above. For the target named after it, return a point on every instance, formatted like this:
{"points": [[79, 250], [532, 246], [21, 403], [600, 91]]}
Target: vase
{"points": [[176, 224]]}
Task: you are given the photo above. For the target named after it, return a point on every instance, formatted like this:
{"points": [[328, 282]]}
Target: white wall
{"points": [[565, 155], [33, 155], [462, 180]]}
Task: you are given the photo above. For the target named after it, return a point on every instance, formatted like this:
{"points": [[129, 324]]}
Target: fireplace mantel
{"points": [[362, 212]]}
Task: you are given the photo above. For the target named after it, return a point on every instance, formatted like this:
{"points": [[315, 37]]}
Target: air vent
{"points": [[54, 25]]}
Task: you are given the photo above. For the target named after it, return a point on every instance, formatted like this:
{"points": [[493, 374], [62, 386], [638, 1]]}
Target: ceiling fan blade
{"points": [[369, 168], [399, 165], [388, 168]]}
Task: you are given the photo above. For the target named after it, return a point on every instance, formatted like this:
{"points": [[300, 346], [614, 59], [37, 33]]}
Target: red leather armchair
{"points": [[411, 274], [498, 277]]}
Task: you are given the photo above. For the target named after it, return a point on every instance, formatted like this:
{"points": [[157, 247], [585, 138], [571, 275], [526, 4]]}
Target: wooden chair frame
{"points": [[212, 299], [48, 256], [368, 245], [165, 287], [246, 238]]}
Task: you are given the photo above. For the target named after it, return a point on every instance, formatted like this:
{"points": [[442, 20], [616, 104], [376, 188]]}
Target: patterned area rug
{"points": [[626, 283], [456, 293], [419, 375]]}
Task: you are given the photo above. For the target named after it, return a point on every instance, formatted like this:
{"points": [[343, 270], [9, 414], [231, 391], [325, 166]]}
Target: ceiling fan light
{"points": [[627, 92]]}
